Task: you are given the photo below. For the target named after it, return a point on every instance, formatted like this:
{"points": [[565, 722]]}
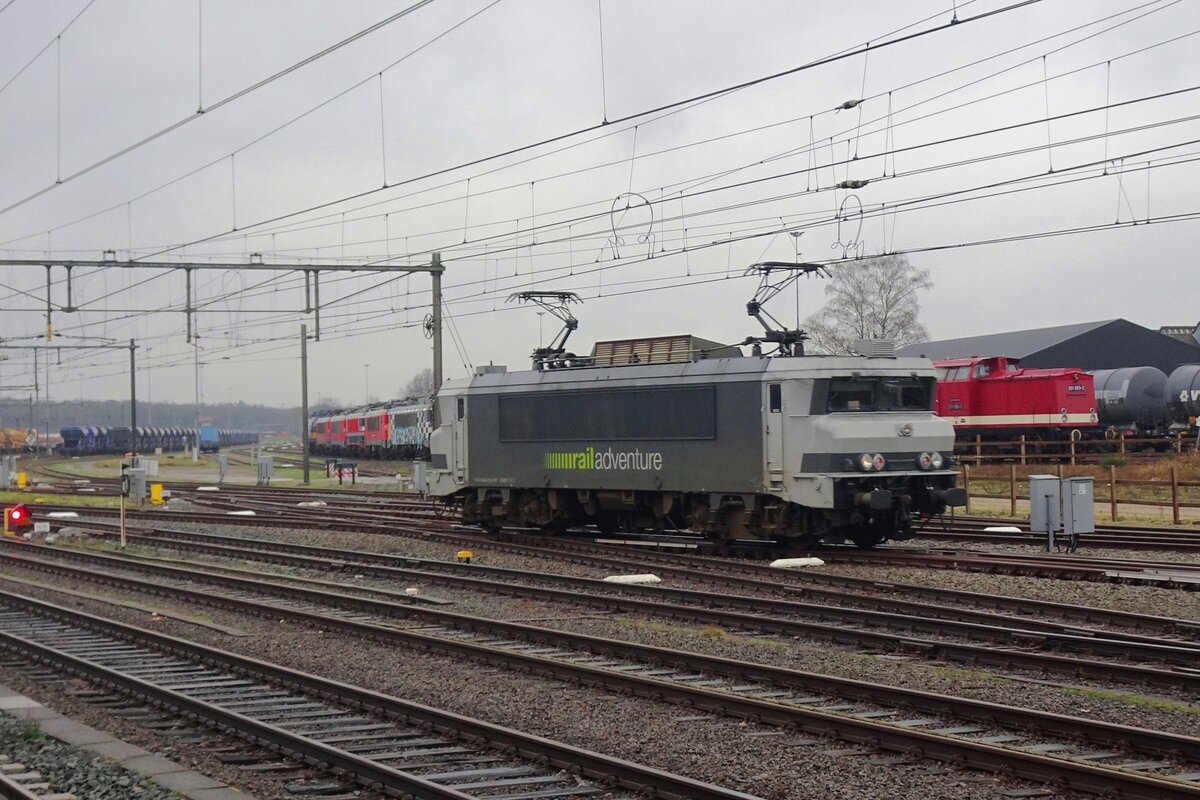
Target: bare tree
{"points": [[420, 385], [872, 299], [326, 402]]}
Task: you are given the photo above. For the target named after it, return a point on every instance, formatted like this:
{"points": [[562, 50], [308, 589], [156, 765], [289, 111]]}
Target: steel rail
{"points": [[11, 790], [1081, 640], [605, 769], [1099, 732], [720, 571], [1003, 658], [1027, 764]]}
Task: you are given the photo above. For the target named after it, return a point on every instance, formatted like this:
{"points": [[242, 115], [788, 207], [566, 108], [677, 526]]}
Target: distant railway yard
{"points": [[293, 641]]}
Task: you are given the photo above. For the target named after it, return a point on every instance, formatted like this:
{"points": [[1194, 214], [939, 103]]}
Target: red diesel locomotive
{"points": [[994, 397]]}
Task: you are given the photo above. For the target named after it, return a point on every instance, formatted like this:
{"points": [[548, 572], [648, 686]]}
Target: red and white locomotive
{"points": [[994, 397], [398, 429]]}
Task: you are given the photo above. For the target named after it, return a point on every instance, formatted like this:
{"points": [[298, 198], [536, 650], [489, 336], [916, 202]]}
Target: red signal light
{"points": [[18, 516]]}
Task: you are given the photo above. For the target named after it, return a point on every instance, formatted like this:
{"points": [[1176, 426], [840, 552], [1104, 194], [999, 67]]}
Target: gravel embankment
{"points": [[69, 769], [767, 762]]}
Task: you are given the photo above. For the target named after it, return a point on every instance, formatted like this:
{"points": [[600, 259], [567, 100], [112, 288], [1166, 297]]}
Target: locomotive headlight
{"points": [[865, 462], [937, 460], [925, 460], [877, 462]]}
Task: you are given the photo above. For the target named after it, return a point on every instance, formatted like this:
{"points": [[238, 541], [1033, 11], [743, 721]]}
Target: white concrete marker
{"points": [[1003, 529], [62, 515], [312, 504], [208, 488], [246, 513], [643, 578], [792, 563]]}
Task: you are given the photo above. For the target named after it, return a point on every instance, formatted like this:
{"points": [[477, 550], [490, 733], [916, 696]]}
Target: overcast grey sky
{"points": [[693, 195]]}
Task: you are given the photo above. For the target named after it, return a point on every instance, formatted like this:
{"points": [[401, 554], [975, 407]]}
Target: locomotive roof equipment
{"points": [[774, 277], [556, 303]]}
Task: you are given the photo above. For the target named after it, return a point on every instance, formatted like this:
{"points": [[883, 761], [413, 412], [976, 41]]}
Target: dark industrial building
{"points": [[1109, 344]]}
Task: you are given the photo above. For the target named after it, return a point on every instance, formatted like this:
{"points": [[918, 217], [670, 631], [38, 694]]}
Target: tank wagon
{"points": [[678, 433]]}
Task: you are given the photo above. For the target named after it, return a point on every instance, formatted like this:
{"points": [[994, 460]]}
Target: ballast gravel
{"points": [[1124, 705], [70, 769], [768, 762]]}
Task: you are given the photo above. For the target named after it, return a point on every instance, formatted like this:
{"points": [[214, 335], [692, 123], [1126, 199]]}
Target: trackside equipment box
{"points": [[1079, 513], [1044, 503]]}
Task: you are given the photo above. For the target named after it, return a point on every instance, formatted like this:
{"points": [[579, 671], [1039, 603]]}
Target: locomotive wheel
{"points": [[865, 538]]}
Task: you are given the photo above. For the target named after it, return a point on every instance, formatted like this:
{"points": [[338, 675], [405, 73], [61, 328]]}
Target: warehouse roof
{"points": [[1107, 344], [1015, 344]]}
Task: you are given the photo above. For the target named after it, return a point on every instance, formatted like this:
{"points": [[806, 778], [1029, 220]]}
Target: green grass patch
{"points": [[30, 498], [1129, 698], [706, 632]]}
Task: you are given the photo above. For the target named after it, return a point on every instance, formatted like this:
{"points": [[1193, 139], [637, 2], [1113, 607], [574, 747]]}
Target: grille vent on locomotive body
{"points": [[659, 350], [875, 348]]}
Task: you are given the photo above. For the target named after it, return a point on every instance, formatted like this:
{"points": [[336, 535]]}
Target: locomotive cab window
{"points": [[851, 395], [775, 397], [905, 394], [880, 394], [462, 407]]}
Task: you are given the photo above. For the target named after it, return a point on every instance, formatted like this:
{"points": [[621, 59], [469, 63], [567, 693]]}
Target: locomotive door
{"points": [[773, 432], [460, 440]]}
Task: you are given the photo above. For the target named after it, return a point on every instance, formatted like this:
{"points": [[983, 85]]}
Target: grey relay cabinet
{"points": [[1079, 514], [1044, 503]]}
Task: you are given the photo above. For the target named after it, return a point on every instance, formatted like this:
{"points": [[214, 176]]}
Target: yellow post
{"points": [[21, 480], [156, 492], [6, 531]]}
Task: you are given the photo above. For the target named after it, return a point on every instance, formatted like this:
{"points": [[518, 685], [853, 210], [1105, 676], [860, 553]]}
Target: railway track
{"points": [[1012, 646], [379, 742], [980, 733], [350, 504], [21, 784], [380, 519]]}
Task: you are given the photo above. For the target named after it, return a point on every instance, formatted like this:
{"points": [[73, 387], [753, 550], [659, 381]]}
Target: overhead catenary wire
{"points": [[626, 118], [696, 227], [311, 226], [944, 198], [260, 138], [237, 95]]}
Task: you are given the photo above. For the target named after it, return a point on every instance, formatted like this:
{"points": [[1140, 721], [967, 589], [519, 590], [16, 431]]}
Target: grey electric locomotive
{"points": [[638, 437]]}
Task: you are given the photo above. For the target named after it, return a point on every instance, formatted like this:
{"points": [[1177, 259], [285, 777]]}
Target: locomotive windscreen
{"points": [[873, 394], [688, 412]]}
